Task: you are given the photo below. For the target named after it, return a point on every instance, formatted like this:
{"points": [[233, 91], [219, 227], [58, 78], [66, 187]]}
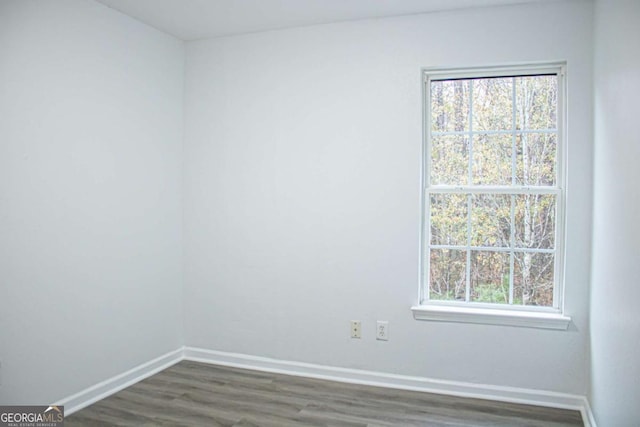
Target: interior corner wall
{"points": [[302, 188], [615, 323], [90, 196]]}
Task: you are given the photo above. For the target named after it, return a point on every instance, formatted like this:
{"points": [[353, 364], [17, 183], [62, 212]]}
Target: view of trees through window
{"points": [[492, 189]]}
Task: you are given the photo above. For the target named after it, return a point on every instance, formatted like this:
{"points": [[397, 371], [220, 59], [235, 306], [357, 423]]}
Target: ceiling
{"points": [[197, 19]]}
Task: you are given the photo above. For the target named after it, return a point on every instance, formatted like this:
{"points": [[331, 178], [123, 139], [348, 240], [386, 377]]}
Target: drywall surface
{"points": [[90, 196], [302, 188], [615, 292]]}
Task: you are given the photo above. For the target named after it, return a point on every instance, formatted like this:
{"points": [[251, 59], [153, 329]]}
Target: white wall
{"points": [[302, 172], [90, 196], [615, 323], [301, 196]]}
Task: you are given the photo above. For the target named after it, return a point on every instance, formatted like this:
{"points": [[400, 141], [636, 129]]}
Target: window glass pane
{"points": [[490, 277], [450, 105], [493, 104], [536, 102], [449, 219], [533, 279], [491, 220], [447, 274], [450, 160], [535, 221], [492, 163], [536, 159]]}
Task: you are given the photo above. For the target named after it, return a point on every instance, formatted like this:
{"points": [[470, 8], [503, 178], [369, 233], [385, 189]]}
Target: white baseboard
{"points": [[404, 382], [113, 385], [354, 376], [587, 415]]}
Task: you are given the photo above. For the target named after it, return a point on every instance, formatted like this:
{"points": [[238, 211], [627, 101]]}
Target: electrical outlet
{"points": [[382, 330], [356, 329]]}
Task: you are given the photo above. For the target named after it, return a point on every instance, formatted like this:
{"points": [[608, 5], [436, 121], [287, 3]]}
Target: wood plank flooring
{"points": [[197, 394]]}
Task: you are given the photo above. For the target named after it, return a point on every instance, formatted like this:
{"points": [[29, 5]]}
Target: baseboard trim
{"points": [[404, 382], [113, 385], [587, 414]]}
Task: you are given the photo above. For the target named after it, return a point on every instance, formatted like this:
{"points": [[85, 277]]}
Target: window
{"points": [[493, 194]]}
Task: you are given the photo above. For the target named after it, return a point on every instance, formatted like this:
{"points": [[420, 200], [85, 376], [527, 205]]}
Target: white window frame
{"points": [[485, 313]]}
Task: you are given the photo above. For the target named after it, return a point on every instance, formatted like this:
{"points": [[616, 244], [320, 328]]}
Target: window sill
{"points": [[487, 316]]}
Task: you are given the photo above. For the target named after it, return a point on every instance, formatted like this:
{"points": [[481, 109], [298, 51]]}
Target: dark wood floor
{"points": [[196, 394]]}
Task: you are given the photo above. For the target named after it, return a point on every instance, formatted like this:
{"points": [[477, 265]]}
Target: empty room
{"points": [[319, 213]]}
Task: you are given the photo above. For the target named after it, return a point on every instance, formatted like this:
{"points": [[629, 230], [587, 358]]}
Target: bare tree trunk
{"points": [[437, 95], [527, 285], [459, 96]]}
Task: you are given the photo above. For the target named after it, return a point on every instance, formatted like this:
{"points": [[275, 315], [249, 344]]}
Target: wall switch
{"points": [[356, 329], [382, 330]]}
